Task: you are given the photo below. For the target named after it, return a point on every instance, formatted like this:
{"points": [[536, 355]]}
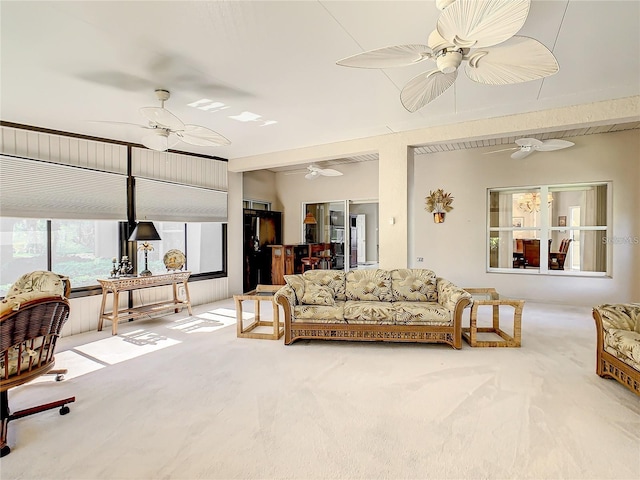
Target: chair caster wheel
{"points": [[64, 410], [59, 377], [5, 451]]}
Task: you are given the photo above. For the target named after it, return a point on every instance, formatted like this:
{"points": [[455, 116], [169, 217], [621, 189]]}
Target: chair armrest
{"points": [[451, 296], [620, 316]]}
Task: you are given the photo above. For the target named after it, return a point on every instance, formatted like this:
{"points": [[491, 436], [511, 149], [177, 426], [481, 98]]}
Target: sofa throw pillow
{"points": [[334, 279], [296, 283], [369, 284], [414, 285], [315, 294]]}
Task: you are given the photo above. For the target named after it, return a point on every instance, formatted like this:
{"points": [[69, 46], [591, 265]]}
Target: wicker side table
{"points": [[260, 294], [489, 296]]}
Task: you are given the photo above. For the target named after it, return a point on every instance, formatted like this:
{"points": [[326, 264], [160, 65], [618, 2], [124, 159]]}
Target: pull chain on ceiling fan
{"points": [[464, 32]]}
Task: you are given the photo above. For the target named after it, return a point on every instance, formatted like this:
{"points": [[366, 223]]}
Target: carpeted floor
{"points": [[183, 398]]}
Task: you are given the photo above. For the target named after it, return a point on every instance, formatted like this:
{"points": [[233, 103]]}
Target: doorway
{"points": [[350, 226]]}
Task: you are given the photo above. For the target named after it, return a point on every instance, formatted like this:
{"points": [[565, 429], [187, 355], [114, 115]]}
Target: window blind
{"points": [[39, 189], [171, 202]]}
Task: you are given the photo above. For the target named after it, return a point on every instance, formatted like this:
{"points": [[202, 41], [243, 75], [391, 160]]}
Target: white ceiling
{"points": [[66, 65]]}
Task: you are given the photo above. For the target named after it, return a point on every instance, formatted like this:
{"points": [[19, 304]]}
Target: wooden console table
{"points": [[123, 284]]}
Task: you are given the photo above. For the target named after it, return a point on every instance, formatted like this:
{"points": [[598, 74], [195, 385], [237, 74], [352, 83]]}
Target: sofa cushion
{"points": [[315, 294], [624, 345], [333, 279], [370, 284], [417, 285], [421, 313], [368, 312], [319, 313]]}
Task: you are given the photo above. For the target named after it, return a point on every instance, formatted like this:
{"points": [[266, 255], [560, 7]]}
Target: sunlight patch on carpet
{"points": [[75, 364], [126, 346], [207, 321]]}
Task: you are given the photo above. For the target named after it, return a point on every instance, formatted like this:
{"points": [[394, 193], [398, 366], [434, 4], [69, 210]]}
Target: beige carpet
{"points": [[180, 398]]}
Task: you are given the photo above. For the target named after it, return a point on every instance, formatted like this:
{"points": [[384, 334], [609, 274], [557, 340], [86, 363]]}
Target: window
{"points": [[570, 220], [80, 249], [202, 244]]}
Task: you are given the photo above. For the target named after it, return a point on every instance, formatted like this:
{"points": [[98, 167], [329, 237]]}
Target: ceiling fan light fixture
{"points": [[158, 140], [448, 61]]}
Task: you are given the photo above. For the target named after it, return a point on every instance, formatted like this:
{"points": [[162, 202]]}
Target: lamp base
{"points": [[145, 273]]}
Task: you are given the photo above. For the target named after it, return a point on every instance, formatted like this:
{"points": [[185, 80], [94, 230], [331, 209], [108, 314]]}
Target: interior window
{"points": [[550, 228]]}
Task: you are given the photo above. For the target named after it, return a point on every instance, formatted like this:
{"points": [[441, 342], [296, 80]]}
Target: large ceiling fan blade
{"points": [[163, 117], [311, 175], [501, 150], [387, 57], [128, 124], [425, 88], [329, 172], [521, 59], [554, 144], [482, 23], [201, 136], [520, 154]]}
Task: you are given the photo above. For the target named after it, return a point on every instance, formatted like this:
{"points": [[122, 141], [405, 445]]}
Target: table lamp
{"points": [[144, 232]]}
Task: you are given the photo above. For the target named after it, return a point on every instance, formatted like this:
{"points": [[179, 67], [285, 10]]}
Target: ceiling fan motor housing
{"points": [[448, 61]]}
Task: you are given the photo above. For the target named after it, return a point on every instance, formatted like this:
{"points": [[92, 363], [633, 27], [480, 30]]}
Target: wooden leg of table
{"points": [[496, 317], [238, 316], [114, 314], [102, 306], [473, 325], [257, 310], [175, 297], [188, 297], [517, 324]]}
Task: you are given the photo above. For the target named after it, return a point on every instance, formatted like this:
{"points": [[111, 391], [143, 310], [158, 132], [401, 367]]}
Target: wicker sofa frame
{"points": [[447, 334], [608, 366]]}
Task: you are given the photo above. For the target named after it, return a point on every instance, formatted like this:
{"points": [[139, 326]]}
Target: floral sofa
{"points": [[618, 343], [402, 305]]}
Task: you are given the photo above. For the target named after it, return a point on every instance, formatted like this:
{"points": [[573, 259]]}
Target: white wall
{"points": [[358, 182], [261, 185], [456, 249]]}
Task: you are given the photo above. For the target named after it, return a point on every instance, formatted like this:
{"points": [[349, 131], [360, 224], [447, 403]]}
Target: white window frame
{"points": [[545, 227]]}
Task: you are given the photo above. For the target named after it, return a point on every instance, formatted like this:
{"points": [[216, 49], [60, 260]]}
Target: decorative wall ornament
{"points": [[439, 202]]}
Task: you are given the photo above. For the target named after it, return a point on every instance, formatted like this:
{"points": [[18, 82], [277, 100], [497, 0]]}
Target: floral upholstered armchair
{"points": [[618, 343]]}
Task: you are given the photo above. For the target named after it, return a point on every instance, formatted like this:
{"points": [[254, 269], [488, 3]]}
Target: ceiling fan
{"points": [[315, 172], [479, 32], [526, 146], [166, 130]]}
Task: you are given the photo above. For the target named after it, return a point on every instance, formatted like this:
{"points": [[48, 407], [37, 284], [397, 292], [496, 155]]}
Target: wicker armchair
{"points": [[618, 343], [31, 318]]}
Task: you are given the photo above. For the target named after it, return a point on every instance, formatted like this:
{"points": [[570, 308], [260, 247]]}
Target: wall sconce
{"points": [[438, 202]]}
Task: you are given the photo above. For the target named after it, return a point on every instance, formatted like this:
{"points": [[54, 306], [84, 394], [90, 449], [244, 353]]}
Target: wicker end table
{"points": [[489, 296], [260, 294]]}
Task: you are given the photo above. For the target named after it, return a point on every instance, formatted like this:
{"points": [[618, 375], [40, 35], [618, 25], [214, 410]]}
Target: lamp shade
{"points": [[144, 231], [310, 219]]}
